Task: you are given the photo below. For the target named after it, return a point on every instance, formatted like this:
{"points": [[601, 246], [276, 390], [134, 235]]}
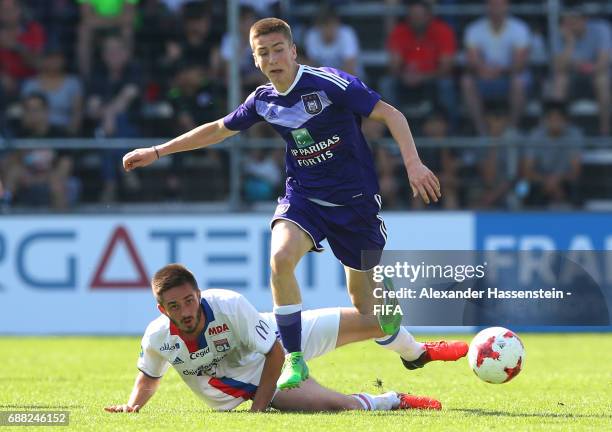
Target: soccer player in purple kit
{"points": [[331, 186]]}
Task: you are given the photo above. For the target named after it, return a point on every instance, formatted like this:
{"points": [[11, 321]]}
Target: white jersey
{"points": [[225, 365], [233, 344]]}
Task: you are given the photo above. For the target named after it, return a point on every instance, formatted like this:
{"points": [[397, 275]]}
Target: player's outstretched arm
{"points": [[269, 376], [202, 136], [422, 181], [144, 388]]}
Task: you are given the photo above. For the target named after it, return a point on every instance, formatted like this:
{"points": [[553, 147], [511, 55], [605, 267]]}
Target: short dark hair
{"points": [[169, 277], [271, 25], [552, 106]]}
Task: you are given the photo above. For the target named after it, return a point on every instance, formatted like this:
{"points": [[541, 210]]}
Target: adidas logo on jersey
{"points": [[272, 114], [177, 361]]}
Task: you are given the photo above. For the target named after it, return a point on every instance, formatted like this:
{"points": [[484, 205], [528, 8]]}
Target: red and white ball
{"points": [[496, 355]]}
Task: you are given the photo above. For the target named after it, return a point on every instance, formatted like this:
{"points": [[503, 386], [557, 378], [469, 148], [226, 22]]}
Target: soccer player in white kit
{"points": [[227, 352]]}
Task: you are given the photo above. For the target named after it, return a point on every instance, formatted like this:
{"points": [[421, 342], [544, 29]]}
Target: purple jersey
{"points": [[319, 117]]}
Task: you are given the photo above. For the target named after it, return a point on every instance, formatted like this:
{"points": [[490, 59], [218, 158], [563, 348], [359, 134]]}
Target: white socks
{"points": [[403, 343], [384, 402]]}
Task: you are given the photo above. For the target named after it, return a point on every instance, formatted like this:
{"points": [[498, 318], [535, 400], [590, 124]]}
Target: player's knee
{"points": [[282, 261]]}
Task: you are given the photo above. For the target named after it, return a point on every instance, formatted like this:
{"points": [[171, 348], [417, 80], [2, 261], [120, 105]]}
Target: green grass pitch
{"points": [[566, 385]]}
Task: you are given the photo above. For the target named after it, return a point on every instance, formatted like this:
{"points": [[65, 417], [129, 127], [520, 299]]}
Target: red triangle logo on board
{"points": [[142, 281]]}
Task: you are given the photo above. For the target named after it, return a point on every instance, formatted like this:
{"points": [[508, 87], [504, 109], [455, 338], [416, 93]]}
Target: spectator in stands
{"points": [[583, 56], [331, 43], [103, 16], [497, 55], [156, 25], [538, 45], [422, 49], [196, 98], [263, 175], [497, 162], [21, 42], [440, 159], [113, 104], [35, 120], [196, 44], [60, 20], [40, 177], [63, 92], [251, 76], [115, 90], [552, 164]]}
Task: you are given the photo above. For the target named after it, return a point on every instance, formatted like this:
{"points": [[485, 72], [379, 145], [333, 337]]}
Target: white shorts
{"points": [[319, 330]]}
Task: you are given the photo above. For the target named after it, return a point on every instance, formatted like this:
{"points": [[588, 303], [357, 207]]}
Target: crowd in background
{"points": [[158, 68]]}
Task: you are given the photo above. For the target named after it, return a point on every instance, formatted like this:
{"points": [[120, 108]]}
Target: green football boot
{"points": [[295, 370], [389, 324]]}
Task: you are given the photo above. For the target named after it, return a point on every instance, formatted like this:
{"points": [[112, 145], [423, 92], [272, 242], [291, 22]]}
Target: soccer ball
{"points": [[496, 355]]}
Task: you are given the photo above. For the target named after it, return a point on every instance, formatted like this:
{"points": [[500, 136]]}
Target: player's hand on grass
{"points": [[140, 157], [423, 182], [125, 408]]}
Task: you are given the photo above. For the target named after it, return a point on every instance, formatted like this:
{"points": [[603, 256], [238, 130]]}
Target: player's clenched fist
{"points": [[122, 408], [140, 158]]}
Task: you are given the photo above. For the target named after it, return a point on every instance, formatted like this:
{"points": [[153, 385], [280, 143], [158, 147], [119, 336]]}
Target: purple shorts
{"points": [[349, 229]]}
